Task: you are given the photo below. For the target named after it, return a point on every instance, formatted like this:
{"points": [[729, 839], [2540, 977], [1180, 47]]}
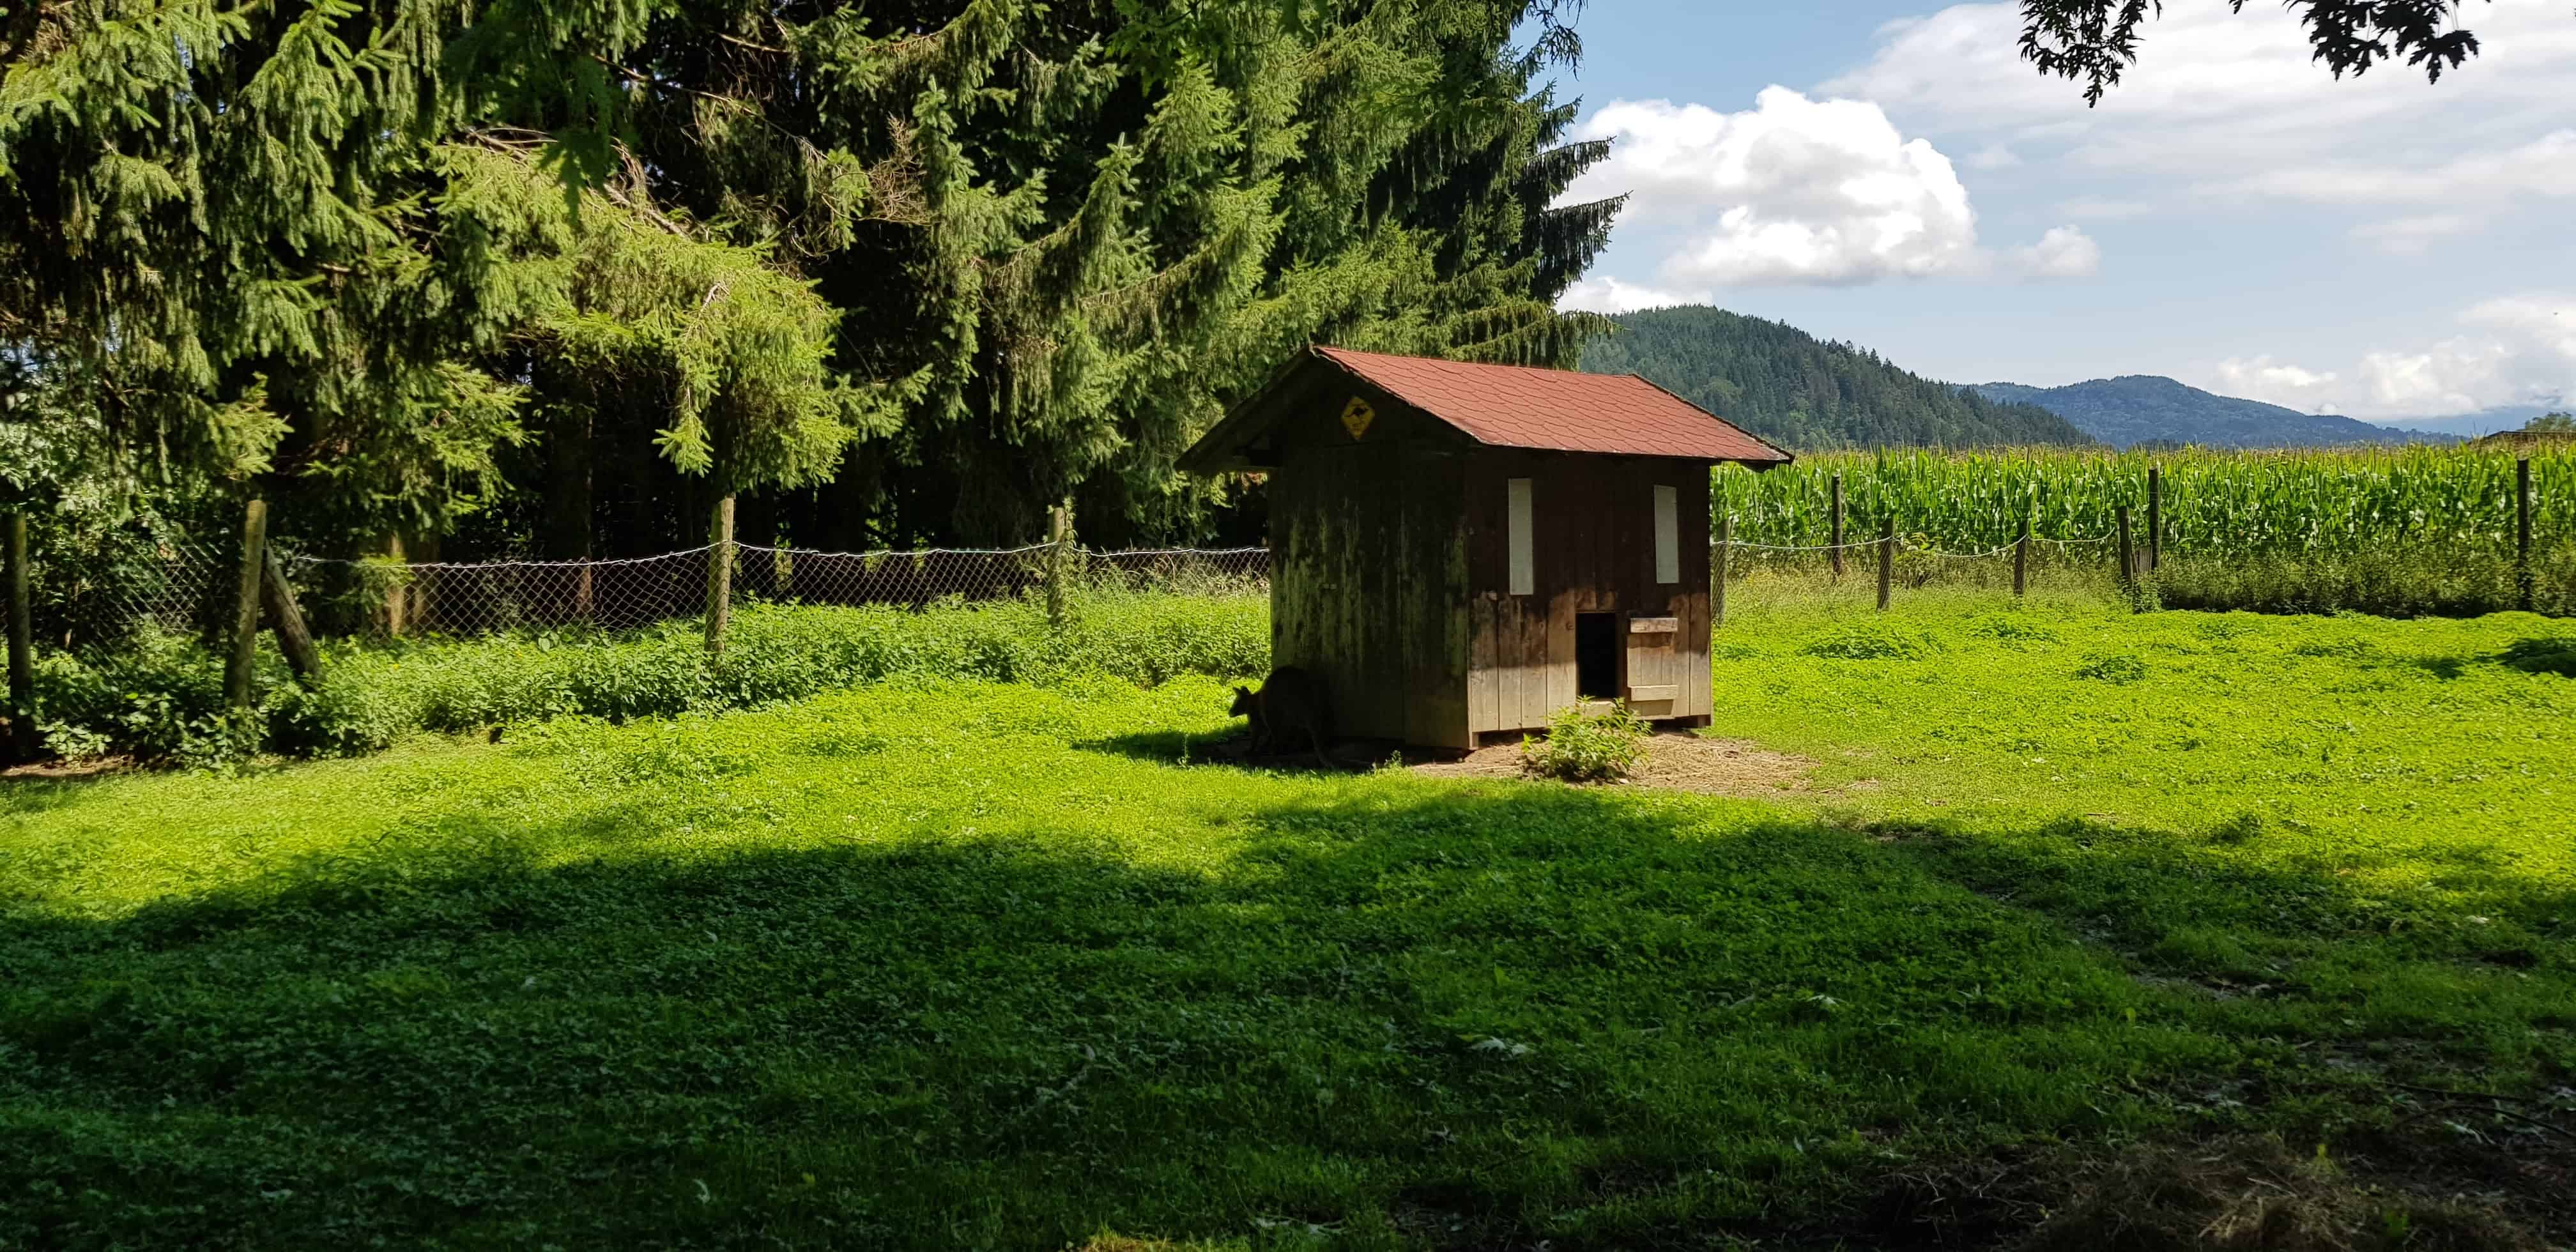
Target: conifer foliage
{"points": [[903, 271]]}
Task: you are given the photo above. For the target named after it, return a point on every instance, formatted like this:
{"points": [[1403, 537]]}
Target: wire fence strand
{"points": [[188, 587], [380, 598]]}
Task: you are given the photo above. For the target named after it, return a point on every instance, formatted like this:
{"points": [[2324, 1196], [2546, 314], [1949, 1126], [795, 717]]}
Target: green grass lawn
{"points": [[947, 964]]}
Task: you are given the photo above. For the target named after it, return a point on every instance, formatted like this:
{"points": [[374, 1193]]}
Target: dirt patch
{"points": [[1675, 761], [2240, 1191], [90, 767]]}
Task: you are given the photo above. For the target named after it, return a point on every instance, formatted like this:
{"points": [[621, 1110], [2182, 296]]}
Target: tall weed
{"points": [[159, 696]]}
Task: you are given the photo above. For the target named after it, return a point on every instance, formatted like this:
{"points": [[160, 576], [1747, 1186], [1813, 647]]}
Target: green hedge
{"points": [[160, 696], [2390, 582]]}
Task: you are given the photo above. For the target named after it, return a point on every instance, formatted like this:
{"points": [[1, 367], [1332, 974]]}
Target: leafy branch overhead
{"points": [[2096, 40]]}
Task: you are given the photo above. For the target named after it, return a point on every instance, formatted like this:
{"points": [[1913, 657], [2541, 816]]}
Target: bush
{"points": [[159, 696], [2012, 629], [1587, 747], [1871, 641], [2388, 582], [2117, 667]]}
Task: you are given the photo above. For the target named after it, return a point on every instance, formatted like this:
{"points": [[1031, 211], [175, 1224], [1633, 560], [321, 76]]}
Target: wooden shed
{"points": [[1460, 550]]}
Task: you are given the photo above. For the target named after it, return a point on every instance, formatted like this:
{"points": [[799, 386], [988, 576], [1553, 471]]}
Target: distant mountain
{"points": [[2482, 422], [1806, 393], [2136, 408]]}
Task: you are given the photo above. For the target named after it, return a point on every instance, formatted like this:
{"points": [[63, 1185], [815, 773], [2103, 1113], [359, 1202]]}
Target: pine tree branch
{"points": [[639, 76]]}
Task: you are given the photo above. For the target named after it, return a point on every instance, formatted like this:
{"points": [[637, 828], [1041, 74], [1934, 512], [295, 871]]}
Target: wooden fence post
{"points": [[2128, 560], [245, 640], [719, 573], [397, 593], [287, 619], [2522, 532], [1059, 558], [1886, 560], [1717, 571], [22, 645], [2021, 558], [2155, 517], [1838, 525]]}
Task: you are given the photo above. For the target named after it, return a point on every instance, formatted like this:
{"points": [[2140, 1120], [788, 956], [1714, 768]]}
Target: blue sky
{"points": [[1891, 174]]}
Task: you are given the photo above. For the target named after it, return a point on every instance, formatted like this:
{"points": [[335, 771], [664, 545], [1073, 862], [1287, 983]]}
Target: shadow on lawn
{"points": [[2546, 654], [1445, 1016], [1234, 749]]}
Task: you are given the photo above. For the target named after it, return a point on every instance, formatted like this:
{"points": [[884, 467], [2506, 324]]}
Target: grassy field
{"points": [[947, 964]]}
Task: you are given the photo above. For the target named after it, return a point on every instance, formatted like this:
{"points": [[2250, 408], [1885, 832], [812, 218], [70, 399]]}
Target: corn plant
{"points": [[2214, 503]]}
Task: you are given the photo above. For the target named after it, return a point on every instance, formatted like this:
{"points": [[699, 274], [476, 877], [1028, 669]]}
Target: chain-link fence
{"points": [[132, 580], [191, 588], [186, 587]]}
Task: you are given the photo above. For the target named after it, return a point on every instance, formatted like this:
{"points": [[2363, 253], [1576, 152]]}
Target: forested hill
{"points": [[2136, 408], [1793, 388]]}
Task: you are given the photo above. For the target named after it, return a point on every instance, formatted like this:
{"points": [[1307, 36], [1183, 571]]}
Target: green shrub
{"points": [[1871, 641], [159, 696], [2012, 628], [2397, 581], [336, 719], [2115, 667], [1587, 747]]}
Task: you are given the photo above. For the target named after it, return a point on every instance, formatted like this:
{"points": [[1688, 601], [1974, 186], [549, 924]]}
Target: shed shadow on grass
{"points": [[1233, 749], [1467, 1017]]}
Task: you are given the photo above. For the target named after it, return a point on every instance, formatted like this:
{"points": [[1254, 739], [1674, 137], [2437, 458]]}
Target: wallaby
{"points": [[1290, 703]]}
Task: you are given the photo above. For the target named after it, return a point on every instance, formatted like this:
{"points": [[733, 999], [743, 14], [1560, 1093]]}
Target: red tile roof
{"points": [[1515, 406]]}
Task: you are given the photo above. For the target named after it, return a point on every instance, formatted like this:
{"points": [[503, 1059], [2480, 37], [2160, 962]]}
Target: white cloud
{"points": [[2409, 235], [2226, 107], [2064, 252], [1993, 156], [2513, 350], [2262, 378], [1793, 190], [2542, 168], [1613, 295], [2518, 350], [2103, 208]]}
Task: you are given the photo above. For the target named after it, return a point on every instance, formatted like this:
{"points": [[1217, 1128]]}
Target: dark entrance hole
{"points": [[1596, 655]]}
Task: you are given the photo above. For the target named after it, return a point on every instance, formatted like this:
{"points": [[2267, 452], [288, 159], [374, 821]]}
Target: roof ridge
{"points": [[1730, 425], [1518, 406], [1481, 365]]}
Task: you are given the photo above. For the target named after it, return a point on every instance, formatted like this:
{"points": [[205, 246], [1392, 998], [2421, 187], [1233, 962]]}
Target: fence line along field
{"points": [[2215, 503]]}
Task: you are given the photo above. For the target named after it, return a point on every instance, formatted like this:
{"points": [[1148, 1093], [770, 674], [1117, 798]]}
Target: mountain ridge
{"points": [[1807, 393], [2129, 409]]}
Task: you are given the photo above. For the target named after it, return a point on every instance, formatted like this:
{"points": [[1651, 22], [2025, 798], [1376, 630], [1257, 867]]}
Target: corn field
{"points": [[2216, 504]]}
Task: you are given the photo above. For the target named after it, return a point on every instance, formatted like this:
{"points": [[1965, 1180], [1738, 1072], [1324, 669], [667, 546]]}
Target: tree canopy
{"points": [[905, 271]]}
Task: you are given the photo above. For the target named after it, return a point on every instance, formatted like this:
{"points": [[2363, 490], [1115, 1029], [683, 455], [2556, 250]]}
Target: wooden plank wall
{"points": [[1390, 572], [1368, 585], [1594, 553]]}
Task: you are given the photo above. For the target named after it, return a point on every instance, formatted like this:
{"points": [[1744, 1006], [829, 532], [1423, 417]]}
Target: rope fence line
{"points": [[1903, 546]]}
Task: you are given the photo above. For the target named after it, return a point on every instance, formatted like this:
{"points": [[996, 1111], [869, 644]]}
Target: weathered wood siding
{"points": [[1368, 584], [1595, 552], [1390, 570]]}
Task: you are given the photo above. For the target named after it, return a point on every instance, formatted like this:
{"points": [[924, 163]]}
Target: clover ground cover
{"points": [[962, 964]]}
